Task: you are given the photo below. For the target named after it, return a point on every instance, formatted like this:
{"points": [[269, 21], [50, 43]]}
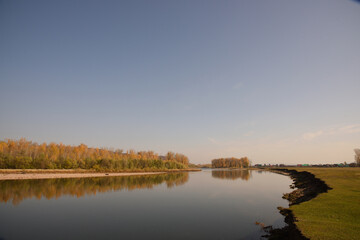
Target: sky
{"points": [[277, 81]]}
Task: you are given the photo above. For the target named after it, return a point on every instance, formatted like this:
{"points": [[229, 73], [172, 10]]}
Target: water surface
{"points": [[212, 204]]}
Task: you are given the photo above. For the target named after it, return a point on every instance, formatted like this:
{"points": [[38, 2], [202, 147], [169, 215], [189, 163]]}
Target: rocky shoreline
{"points": [[308, 187]]}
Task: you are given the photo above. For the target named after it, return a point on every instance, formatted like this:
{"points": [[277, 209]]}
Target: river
{"points": [[211, 204]]}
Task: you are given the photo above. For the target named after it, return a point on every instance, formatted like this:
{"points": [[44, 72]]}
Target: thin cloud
{"points": [[312, 135], [348, 129], [212, 140]]}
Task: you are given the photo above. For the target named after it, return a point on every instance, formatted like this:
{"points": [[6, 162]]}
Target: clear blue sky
{"points": [[278, 81]]}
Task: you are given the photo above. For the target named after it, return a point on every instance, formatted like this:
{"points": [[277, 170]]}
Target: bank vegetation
{"points": [[24, 154], [230, 162]]}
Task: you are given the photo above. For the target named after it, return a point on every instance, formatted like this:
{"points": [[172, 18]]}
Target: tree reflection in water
{"points": [[232, 174], [15, 191]]}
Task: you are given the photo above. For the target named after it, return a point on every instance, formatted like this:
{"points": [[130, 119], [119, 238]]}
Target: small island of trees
{"points": [[230, 162], [23, 154]]}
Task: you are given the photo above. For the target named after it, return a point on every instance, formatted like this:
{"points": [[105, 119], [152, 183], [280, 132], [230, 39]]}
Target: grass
{"points": [[335, 214]]}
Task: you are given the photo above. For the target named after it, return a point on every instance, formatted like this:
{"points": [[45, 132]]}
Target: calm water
{"points": [[218, 204]]}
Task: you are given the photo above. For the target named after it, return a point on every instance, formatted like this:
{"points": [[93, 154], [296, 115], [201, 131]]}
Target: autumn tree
{"points": [[26, 154], [230, 162]]}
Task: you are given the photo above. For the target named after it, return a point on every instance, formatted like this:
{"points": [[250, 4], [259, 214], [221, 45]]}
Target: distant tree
{"points": [[357, 156], [230, 162], [170, 156]]}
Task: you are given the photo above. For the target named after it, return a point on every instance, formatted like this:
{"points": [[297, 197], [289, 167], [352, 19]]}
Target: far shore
{"points": [[19, 174]]}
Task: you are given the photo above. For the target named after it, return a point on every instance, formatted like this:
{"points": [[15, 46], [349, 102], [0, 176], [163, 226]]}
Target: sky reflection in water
{"points": [[219, 204]]}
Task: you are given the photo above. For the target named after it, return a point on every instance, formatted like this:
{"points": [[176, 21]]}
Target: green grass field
{"points": [[335, 214]]}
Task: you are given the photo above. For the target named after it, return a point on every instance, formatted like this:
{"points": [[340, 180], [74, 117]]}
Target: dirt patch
{"points": [[18, 174]]}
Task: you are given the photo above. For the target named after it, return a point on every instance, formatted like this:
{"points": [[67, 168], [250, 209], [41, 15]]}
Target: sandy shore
{"points": [[18, 176]]}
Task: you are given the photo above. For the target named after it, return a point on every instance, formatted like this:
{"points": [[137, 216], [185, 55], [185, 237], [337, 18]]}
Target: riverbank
{"points": [[333, 215], [234, 168], [19, 174]]}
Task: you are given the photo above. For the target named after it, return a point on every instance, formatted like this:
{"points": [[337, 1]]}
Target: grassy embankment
{"points": [[335, 214]]}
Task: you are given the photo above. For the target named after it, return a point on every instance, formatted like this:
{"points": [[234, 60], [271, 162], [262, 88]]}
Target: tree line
{"points": [[230, 162], [23, 154]]}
